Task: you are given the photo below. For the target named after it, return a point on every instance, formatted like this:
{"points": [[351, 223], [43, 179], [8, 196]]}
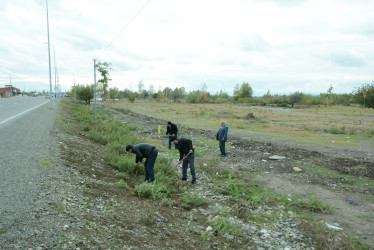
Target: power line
{"points": [[125, 27]]}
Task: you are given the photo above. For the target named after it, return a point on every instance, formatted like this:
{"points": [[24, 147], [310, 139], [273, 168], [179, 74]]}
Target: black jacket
{"points": [[143, 150], [184, 146], [172, 130]]}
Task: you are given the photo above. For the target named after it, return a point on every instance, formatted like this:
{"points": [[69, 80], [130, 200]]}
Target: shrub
{"points": [[122, 184], [223, 225], [190, 200], [156, 190]]}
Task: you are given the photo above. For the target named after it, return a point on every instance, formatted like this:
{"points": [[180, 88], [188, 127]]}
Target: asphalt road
{"points": [[25, 141]]}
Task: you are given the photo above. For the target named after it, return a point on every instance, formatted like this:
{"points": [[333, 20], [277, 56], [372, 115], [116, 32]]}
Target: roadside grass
{"points": [[115, 135], [345, 180], [45, 162], [191, 200]]}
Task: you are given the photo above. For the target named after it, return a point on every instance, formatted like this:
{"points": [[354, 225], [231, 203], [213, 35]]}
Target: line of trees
{"points": [[242, 93]]}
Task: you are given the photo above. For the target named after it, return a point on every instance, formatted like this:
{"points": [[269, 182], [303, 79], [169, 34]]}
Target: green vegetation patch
{"points": [[45, 162]]}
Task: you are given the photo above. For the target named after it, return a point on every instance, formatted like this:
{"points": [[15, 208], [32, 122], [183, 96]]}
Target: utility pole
{"points": [[95, 89], [49, 58]]}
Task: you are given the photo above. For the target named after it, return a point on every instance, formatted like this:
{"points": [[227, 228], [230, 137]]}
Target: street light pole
{"points": [[49, 57], [54, 61]]}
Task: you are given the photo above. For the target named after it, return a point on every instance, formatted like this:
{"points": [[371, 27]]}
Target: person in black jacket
{"points": [[172, 130], [147, 151], [187, 152]]}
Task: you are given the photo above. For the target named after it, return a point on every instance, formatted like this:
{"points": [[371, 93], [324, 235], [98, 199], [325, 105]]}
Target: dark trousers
{"points": [[222, 147], [191, 161], [149, 165], [176, 146]]}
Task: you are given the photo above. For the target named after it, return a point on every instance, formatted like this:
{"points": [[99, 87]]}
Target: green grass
{"points": [[45, 162], [312, 204], [122, 184], [223, 225], [348, 181], [190, 200]]}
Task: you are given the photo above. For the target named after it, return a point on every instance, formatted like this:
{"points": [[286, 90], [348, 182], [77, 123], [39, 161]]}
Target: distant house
{"points": [[9, 90]]}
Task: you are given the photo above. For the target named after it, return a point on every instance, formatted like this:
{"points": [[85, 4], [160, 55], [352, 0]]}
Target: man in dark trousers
{"points": [[172, 130], [187, 152], [148, 151], [222, 137]]}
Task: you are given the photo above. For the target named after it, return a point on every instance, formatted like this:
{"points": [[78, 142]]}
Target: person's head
{"points": [[169, 123], [223, 123], [174, 139], [129, 148]]}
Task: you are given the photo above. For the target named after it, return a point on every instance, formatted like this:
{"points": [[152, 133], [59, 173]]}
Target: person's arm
{"points": [[190, 147], [167, 130], [139, 155], [176, 129]]}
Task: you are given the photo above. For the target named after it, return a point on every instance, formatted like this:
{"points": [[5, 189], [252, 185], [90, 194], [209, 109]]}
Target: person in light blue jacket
{"points": [[222, 137]]}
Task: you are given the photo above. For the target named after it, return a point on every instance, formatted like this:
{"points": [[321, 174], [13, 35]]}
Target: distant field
{"points": [[322, 125]]}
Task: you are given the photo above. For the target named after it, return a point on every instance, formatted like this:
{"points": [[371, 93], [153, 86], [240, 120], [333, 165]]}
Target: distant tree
{"points": [[141, 87], [267, 96], [127, 93], [244, 91], [167, 92], [85, 93], [178, 93], [132, 97], [296, 98], [365, 95], [151, 91], [104, 68], [113, 93]]}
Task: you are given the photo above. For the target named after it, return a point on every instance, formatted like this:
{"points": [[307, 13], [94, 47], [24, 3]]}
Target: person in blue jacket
{"points": [[222, 137]]}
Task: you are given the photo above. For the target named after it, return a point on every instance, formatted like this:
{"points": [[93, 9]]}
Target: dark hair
{"points": [[128, 147], [173, 138], [169, 122]]}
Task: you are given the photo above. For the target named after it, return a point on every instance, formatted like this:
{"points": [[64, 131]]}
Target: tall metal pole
{"points": [[54, 61], [95, 89], [49, 58]]}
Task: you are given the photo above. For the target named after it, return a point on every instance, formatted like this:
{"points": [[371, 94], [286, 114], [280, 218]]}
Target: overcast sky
{"points": [[278, 45]]}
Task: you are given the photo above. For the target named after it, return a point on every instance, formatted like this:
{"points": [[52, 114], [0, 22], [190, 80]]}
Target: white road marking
{"points": [[22, 113]]}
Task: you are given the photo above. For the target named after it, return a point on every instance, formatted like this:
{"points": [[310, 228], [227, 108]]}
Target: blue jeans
{"points": [[176, 146], [189, 160], [149, 165], [222, 147]]}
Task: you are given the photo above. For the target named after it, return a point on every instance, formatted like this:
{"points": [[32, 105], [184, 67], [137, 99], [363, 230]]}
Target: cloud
{"points": [[346, 59]]}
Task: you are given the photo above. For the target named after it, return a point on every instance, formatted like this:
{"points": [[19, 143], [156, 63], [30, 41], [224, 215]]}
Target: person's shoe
{"points": [[184, 179], [193, 181]]}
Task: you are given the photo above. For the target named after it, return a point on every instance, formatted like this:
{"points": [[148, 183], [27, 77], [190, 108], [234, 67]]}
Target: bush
{"points": [[122, 184], [223, 225], [155, 190], [190, 200]]}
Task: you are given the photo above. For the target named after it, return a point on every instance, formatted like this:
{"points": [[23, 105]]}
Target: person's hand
{"points": [[137, 164], [191, 151], [179, 162], [223, 139]]}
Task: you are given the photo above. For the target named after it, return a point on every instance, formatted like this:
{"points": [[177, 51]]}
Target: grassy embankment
{"points": [[167, 191]]}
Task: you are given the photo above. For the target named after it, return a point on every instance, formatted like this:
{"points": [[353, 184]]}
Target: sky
{"points": [[281, 46]]}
